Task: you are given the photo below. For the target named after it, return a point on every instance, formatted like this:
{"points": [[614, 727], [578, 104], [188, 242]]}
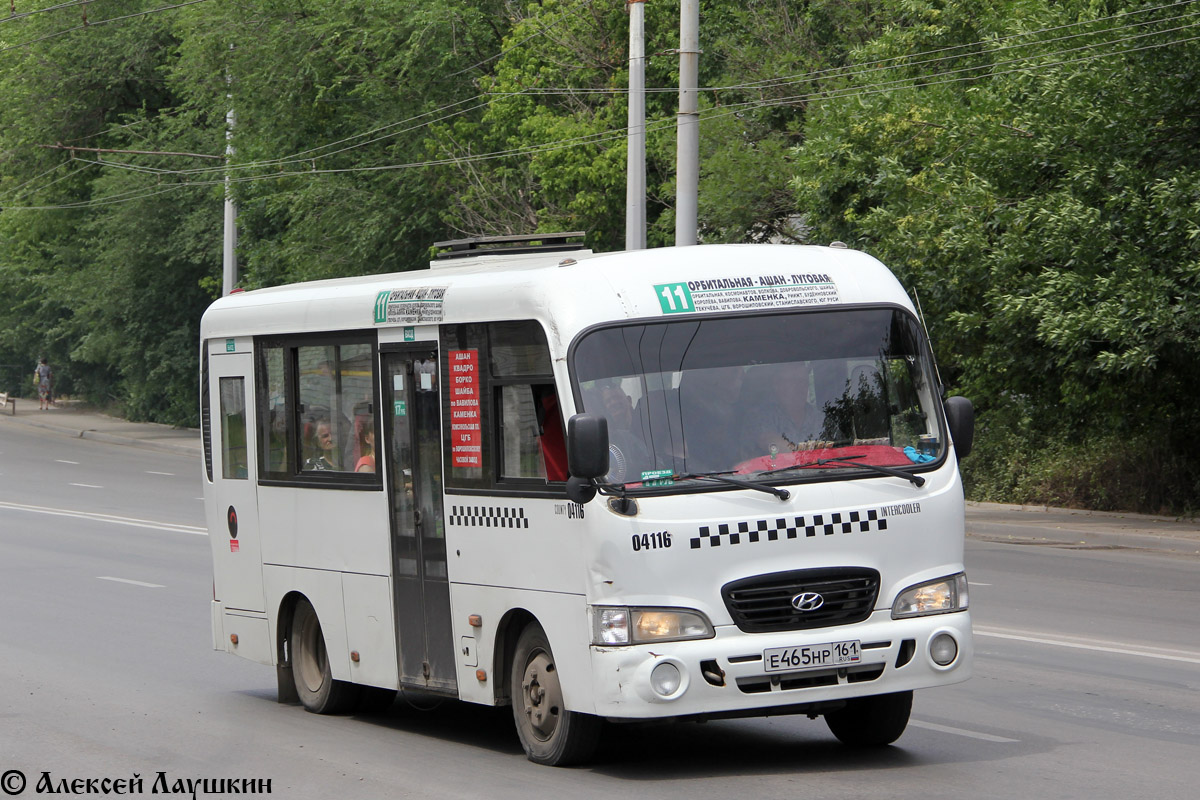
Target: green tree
{"points": [[1041, 195]]}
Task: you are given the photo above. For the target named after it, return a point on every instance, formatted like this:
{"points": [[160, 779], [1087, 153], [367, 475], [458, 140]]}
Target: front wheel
{"points": [[550, 733], [871, 721], [319, 692]]}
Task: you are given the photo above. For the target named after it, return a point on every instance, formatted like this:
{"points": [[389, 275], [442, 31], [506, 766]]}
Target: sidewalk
{"points": [[1034, 525], [1080, 529], [83, 423]]}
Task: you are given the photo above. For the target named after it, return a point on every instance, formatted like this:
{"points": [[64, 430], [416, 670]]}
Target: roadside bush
{"points": [[1014, 462]]}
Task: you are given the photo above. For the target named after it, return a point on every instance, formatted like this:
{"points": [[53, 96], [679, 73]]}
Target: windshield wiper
{"points": [[840, 461], [722, 477]]}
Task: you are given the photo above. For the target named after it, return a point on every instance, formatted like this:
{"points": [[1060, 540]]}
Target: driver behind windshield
{"points": [[778, 415], [627, 454]]}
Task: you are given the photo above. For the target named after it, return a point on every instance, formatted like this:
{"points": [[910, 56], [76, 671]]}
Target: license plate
{"points": [[812, 656]]}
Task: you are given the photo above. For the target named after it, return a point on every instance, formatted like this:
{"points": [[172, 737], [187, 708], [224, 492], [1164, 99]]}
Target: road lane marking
{"points": [[133, 583], [86, 485], [168, 474], [984, 737], [1098, 645], [97, 517], [64, 461]]}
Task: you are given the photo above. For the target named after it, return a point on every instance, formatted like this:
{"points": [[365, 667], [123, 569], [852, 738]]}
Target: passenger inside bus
{"points": [[366, 446], [778, 416], [322, 448]]}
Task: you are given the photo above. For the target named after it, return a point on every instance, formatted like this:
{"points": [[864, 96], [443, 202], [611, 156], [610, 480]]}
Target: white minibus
{"points": [[683, 483]]}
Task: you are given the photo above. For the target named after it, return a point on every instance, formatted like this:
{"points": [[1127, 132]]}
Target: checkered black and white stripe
{"points": [[488, 517], [789, 528]]}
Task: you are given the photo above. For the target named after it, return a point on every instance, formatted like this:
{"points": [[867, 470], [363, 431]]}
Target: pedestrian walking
{"points": [[43, 374]]}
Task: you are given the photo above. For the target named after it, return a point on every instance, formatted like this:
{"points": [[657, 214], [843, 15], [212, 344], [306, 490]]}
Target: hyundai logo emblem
{"points": [[808, 601]]}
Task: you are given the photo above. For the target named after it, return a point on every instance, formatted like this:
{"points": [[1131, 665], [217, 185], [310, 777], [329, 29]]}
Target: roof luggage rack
{"points": [[509, 245]]}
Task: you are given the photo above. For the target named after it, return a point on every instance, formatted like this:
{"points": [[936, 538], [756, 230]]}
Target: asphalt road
{"points": [[1087, 671]]}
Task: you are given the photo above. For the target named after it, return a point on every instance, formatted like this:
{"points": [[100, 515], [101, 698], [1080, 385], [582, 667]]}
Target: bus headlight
{"points": [[942, 596], [618, 625]]}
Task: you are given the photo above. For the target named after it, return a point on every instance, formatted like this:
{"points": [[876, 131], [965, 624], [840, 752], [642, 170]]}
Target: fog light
{"points": [[943, 649], [665, 679]]}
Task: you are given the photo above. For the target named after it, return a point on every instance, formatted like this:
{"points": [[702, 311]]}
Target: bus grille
{"points": [[764, 603]]}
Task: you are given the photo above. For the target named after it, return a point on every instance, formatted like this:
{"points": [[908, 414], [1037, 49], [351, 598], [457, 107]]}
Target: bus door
{"points": [[414, 451], [233, 522]]}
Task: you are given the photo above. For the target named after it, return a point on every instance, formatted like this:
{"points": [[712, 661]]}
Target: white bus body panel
{"points": [[343, 531]]}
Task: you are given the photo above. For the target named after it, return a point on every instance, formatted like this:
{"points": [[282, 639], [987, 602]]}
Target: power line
{"points": [[542, 31], [859, 70], [1022, 34], [73, 148], [888, 86], [654, 125], [22, 15], [98, 23]]}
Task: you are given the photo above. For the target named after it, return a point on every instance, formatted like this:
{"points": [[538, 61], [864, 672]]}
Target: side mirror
{"points": [[960, 416], [587, 455], [580, 490], [587, 446]]}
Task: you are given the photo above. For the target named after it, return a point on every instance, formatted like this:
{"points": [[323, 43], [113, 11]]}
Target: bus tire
{"points": [[550, 734], [871, 721], [318, 691]]}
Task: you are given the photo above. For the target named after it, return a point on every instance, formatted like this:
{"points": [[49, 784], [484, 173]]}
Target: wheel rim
{"points": [[310, 655], [541, 696]]}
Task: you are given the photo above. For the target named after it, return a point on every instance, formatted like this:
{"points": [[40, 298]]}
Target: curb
{"points": [[1080, 529], [1080, 512]]}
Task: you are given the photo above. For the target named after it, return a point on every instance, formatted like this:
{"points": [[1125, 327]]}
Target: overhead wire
{"points": [[314, 153], [766, 83], [23, 14], [953, 76], [859, 70], [99, 22]]}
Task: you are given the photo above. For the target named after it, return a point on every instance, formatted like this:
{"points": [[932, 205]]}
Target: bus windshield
{"points": [[795, 394]]}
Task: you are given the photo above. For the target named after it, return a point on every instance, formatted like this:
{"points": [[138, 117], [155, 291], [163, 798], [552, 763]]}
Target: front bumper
{"points": [[725, 675]]}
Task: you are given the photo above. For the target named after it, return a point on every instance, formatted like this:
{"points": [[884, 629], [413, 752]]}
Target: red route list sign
{"points": [[466, 436]]}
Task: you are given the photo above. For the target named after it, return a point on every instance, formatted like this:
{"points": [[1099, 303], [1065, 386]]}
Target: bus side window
{"points": [[532, 442], [552, 440], [274, 451], [233, 429]]}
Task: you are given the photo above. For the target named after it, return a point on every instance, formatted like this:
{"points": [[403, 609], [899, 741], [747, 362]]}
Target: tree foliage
{"points": [[1028, 167]]}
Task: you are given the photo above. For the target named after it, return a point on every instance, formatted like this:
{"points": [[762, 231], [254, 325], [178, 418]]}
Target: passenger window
{"points": [[335, 402], [518, 349], [532, 443], [523, 439], [234, 462], [273, 425], [317, 411]]}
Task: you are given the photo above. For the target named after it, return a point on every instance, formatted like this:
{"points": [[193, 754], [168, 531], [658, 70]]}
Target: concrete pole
{"points": [[687, 171], [635, 182], [229, 268]]}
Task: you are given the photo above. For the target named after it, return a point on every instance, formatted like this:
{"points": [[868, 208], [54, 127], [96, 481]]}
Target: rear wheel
{"points": [[319, 692], [871, 721], [550, 733]]}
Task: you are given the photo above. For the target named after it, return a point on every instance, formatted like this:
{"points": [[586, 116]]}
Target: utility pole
{"points": [[229, 249], [687, 170], [635, 182]]}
